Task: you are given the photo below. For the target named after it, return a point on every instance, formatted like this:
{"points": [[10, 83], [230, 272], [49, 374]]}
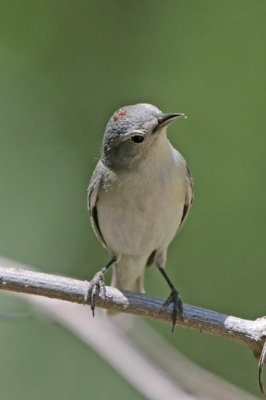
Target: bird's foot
{"points": [[177, 306], [95, 286]]}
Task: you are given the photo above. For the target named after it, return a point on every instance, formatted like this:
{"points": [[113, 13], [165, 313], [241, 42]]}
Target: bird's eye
{"points": [[137, 138]]}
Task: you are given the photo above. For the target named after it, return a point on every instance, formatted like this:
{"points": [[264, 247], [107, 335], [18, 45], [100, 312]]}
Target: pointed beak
{"points": [[166, 119]]}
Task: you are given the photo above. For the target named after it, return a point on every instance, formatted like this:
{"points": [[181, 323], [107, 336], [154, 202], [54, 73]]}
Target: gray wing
{"points": [[189, 198], [93, 190]]}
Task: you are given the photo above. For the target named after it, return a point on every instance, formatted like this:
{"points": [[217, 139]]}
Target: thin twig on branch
{"points": [[250, 333]]}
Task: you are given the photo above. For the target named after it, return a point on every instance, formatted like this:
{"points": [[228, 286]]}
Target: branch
{"points": [[250, 333]]}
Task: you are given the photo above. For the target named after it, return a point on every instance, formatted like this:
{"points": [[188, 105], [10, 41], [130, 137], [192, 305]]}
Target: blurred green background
{"points": [[64, 68]]}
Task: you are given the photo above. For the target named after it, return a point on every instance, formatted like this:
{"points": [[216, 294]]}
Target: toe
{"points": [[95, 286], [177, 306], [180, 306]]}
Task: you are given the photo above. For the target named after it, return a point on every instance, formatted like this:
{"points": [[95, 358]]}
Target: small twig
{"points": [[250, 333]]}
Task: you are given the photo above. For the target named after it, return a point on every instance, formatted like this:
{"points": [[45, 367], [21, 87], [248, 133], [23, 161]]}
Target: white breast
{"points": [[141, 210]]}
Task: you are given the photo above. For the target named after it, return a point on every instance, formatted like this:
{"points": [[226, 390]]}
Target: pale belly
{"points": [[140, 215]]}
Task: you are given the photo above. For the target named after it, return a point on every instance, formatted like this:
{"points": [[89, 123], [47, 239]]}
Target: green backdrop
{"points": [[65, 66]]}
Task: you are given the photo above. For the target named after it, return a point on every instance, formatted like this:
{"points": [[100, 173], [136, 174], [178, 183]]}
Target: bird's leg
{"points": [[96, 284], [173, 298]]}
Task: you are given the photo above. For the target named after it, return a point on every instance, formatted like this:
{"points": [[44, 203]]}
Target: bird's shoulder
{"points": [[94, 184], [189, 183], [189, 196], [190, 186], [101, 175]]}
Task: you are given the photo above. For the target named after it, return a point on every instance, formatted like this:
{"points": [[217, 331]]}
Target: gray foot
{"points": [[177, 306], [95, 286]]}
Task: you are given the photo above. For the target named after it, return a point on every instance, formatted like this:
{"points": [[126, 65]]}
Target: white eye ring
{"points": [[137, 138]]}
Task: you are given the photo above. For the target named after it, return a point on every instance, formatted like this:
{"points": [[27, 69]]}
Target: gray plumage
{"points": [[140, 192]]}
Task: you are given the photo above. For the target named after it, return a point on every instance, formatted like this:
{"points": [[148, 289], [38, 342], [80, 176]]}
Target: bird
{"points": [[139, 197]]}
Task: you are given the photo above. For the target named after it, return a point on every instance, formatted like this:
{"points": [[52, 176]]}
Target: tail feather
{"points": [[134, 285], [128, 274]]}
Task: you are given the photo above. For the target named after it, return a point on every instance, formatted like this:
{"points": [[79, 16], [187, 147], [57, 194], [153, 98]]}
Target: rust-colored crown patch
{"points": [[120, 113]]}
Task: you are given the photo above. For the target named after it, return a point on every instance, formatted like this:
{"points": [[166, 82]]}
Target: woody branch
{"points": [[250, 333]]}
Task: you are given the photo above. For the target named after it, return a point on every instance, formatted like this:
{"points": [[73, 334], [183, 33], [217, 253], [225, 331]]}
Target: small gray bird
{"points": [[139, 197]]}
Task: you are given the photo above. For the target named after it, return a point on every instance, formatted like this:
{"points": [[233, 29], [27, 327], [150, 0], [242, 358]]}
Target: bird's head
{"points": [[131, 134]]}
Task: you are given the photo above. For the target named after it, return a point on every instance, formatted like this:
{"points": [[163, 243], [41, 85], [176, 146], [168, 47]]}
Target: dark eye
{"points": [[137, 138]]}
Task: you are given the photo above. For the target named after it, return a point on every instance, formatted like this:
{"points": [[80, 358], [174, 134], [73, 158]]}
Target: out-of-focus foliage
{"points": [[64, 68]]}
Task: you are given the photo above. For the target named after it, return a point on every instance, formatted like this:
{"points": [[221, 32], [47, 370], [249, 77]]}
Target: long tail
{"points": [[128, 274]]}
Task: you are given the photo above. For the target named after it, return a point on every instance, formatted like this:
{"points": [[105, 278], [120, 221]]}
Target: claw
{"points": [[95, 286], [177, 306]]}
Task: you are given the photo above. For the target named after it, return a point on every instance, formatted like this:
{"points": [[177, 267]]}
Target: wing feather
{"points": [[189, 197], [93, 190]]}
